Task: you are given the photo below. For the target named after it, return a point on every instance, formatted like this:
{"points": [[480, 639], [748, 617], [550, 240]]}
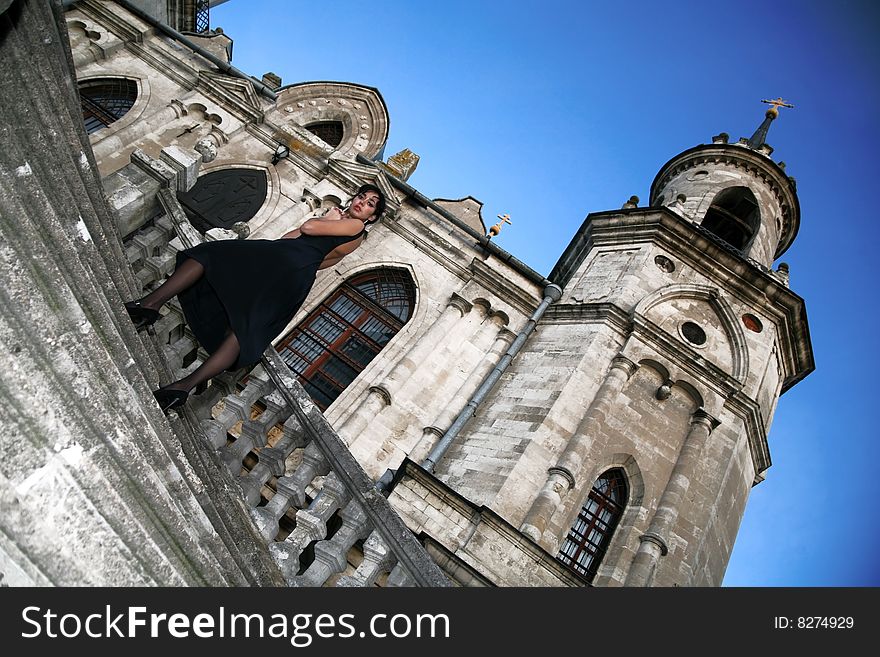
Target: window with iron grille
{"points": [[334, 344], [105, 100], [328, 131], [203, 22], [587, 541]]}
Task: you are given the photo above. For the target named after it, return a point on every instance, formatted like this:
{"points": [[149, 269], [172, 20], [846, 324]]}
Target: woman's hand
{"points": [[333, 214]]}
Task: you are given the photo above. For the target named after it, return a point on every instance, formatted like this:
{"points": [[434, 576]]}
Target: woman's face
{"points": [[363, 206]]}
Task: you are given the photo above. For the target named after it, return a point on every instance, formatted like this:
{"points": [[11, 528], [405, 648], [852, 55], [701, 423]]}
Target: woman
{"points": [[238, 295]]}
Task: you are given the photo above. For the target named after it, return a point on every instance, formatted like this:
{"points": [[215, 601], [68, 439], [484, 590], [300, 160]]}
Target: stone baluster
{"points": [[314, 464], [378, 559], [311, 525], [331, 556], [399, 577], [291, 487], [374, 402], [271, 462], [236, 407], [254, 433], [654, 542]]}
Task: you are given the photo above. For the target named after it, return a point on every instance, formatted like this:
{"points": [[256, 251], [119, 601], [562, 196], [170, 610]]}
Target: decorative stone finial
{"points": [[401, 165], [271, 80], [633, 202]]}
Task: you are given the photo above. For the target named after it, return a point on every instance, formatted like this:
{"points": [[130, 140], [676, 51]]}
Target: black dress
{"points": [[253, 287]]}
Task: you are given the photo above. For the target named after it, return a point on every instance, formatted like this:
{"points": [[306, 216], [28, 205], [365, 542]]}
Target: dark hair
{"points": [[380, 204]]}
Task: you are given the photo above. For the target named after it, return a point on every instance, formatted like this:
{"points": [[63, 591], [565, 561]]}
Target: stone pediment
{"points": [[233, 93]]}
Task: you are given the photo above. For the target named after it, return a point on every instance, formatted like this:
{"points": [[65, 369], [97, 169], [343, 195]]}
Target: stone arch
{"points": [[127, 95], [347, 329], [359, 110], [226, 196], [722, 309], [348, 268], [733, 215]]}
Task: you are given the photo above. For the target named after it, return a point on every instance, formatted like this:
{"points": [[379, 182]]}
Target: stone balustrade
{"points": [[291, 466]]}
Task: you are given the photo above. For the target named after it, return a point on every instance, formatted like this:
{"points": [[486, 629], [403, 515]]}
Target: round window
{"points": [[752, 323], [664, 263], [693, 333]]}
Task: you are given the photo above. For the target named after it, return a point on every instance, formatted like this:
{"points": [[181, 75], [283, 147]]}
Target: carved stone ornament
{"points": [[207, 149]]}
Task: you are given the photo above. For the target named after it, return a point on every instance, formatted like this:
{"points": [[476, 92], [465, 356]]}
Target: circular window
{"points": [[752, 323], [693, 333], [665, 264]]}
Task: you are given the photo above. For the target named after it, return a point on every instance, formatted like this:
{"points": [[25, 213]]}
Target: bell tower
{"points": [[637, 417], [734, 192]]}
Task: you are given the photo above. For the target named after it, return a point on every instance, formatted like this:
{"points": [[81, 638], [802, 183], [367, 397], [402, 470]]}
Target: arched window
{"points": [[334, 344], [734, 216], [105, 100], [330, 132], [223, 198], [587, 541]]}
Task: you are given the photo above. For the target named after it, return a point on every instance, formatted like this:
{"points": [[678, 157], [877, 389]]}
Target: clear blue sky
{"points": [[550, 110]]}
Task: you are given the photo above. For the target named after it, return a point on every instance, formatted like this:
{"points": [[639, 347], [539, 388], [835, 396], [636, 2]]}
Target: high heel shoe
{"points": [[141, 316], [169, 399]]}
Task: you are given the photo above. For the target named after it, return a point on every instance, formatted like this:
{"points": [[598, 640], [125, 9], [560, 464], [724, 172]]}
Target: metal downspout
{"points": [[551, 293], [174, 34]]}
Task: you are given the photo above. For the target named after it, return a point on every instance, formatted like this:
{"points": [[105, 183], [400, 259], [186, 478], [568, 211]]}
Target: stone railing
{"points": [[316, 478]]}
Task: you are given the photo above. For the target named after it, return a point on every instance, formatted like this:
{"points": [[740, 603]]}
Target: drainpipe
{"points": [[551, 293], [174, 34]]}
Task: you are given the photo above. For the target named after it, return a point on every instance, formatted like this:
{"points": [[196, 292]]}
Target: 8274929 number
{"points": [[814, 622]]}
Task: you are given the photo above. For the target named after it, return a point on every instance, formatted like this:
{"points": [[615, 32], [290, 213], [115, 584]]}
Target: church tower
{"points": [[627, 434]]}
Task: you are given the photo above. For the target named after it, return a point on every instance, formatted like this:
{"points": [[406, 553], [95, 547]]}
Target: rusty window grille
{"points": [[105, 100], [329, 132], [203, 22], [334, 344], [588, 539]]}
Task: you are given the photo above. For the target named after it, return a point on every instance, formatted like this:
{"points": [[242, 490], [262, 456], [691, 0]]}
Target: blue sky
{"points": [[551, 110]]}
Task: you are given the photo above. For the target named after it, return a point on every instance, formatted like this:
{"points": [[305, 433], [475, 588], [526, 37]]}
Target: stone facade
{"points": [[663, 358]]}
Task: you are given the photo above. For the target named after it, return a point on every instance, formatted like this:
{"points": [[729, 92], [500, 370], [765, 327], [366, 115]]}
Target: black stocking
{"points": [[186, 275], [216, 363]]}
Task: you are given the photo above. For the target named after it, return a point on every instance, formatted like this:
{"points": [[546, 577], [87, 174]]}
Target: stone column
{"points": [[654, 542], [434, 431], [375, 401], [562, 477]]}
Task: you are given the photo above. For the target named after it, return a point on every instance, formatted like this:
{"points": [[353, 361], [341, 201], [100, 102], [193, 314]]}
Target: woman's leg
{"points": [[187, 274], [216, 363]]}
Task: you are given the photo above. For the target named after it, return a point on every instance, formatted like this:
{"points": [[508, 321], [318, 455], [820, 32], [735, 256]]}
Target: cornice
{"points": [[751, 285], [483, 514], [434, 252], [755, 164], [235, 95], [513, 294], [578, 313], [127, 27]]}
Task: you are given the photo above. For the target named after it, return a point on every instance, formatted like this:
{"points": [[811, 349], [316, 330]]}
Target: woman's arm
{"points": [[332, 223]]}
